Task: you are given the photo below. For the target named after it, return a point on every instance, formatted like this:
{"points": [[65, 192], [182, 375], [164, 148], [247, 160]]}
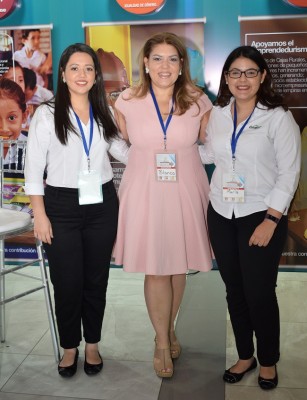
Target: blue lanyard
{"points": [[164, 127], [86, 147], [235, 137]]}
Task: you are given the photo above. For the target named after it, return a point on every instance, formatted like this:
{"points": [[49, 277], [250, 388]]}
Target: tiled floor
{"points": [[28, 370]]}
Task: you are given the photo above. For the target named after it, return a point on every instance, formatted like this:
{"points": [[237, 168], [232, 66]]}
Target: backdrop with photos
{"points": [[25, 59]]}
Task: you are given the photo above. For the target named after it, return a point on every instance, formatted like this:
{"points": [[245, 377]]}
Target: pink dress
{"points": [[162, 227]]}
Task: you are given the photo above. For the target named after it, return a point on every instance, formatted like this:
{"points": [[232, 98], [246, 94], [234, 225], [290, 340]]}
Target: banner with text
{"points": [[283, 43]]}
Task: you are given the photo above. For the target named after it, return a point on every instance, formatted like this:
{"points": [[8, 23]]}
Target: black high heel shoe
{"points": [[68, 372], [93, 369], [233, 377], [268, 384]]}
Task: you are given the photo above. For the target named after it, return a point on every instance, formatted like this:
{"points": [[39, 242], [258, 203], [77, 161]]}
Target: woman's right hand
{"points": [[42, 225], [43, 228]]}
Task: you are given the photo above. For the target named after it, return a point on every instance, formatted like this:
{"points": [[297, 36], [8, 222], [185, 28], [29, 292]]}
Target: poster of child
{"points": [[35, 93], [30, 56], [13, 113], [14, 72], [19, 49]]}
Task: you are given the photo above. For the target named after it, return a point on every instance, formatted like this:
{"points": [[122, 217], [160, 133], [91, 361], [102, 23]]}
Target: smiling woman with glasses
{"points": [[255, 144]]}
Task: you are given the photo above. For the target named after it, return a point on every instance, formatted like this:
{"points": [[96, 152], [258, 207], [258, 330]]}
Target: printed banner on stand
{"points": [[118, 46], [283, 43], [26, 80]]}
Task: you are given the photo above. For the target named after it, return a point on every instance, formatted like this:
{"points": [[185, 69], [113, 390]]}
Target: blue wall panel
{"points": [[222, 31]]}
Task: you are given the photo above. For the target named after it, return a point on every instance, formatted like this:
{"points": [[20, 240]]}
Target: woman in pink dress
{"points": [[163, 195]]}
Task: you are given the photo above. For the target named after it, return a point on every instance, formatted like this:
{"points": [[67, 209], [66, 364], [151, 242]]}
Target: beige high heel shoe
{"points": [[162, 363], [174, 345]]}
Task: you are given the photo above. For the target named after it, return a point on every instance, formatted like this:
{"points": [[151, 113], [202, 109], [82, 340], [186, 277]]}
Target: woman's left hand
{"points": [[262, 234]]}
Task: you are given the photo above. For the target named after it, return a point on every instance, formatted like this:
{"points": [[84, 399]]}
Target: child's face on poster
{"points": [[17, 77], [32, 41], [11, 119]]}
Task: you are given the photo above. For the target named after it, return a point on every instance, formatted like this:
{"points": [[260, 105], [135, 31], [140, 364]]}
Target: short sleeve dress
{"points": [[162, 228]]}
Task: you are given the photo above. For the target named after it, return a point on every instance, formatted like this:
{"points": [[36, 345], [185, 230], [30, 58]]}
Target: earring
{"points": [[64, 80], [147, 70], [94, 81], [180, 72]]}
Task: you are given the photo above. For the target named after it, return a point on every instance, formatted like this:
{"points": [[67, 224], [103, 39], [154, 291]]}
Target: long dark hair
{"points": [[97, 97], [266, 94], [186, 92]]}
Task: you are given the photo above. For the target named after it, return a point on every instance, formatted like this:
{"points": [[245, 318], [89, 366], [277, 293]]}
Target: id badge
{"points": [[233, 188], [90, 187], [166, 167]]}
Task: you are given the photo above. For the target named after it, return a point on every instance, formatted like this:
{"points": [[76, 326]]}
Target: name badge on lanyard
{"points": [[165, 160], [89, 181], [166, 167], [234, 182]]}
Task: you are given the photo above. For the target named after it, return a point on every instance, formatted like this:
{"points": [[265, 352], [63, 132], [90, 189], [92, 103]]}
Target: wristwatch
{"points": [[272, 218]]}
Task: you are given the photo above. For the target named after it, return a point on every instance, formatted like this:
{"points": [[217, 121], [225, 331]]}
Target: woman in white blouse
{"points": [[75, 215], [254, 143]]}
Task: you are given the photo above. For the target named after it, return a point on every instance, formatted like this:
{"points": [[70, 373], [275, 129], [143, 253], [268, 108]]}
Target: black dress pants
{"points": [[79, 260], [250, 275]]}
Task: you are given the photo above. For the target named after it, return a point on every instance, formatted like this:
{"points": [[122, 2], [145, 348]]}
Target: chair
{"points": [[14, 223]]}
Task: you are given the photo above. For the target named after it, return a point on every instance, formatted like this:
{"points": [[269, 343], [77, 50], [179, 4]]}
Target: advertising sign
{"points": [[141, 7], [26, 78], [7, 7], [283, 43]]}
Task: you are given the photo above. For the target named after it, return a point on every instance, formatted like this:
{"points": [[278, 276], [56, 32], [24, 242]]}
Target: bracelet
{"points": [[272, 218]]}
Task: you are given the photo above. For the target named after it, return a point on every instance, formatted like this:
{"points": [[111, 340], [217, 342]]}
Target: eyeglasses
{"points": [[249, 73]]}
